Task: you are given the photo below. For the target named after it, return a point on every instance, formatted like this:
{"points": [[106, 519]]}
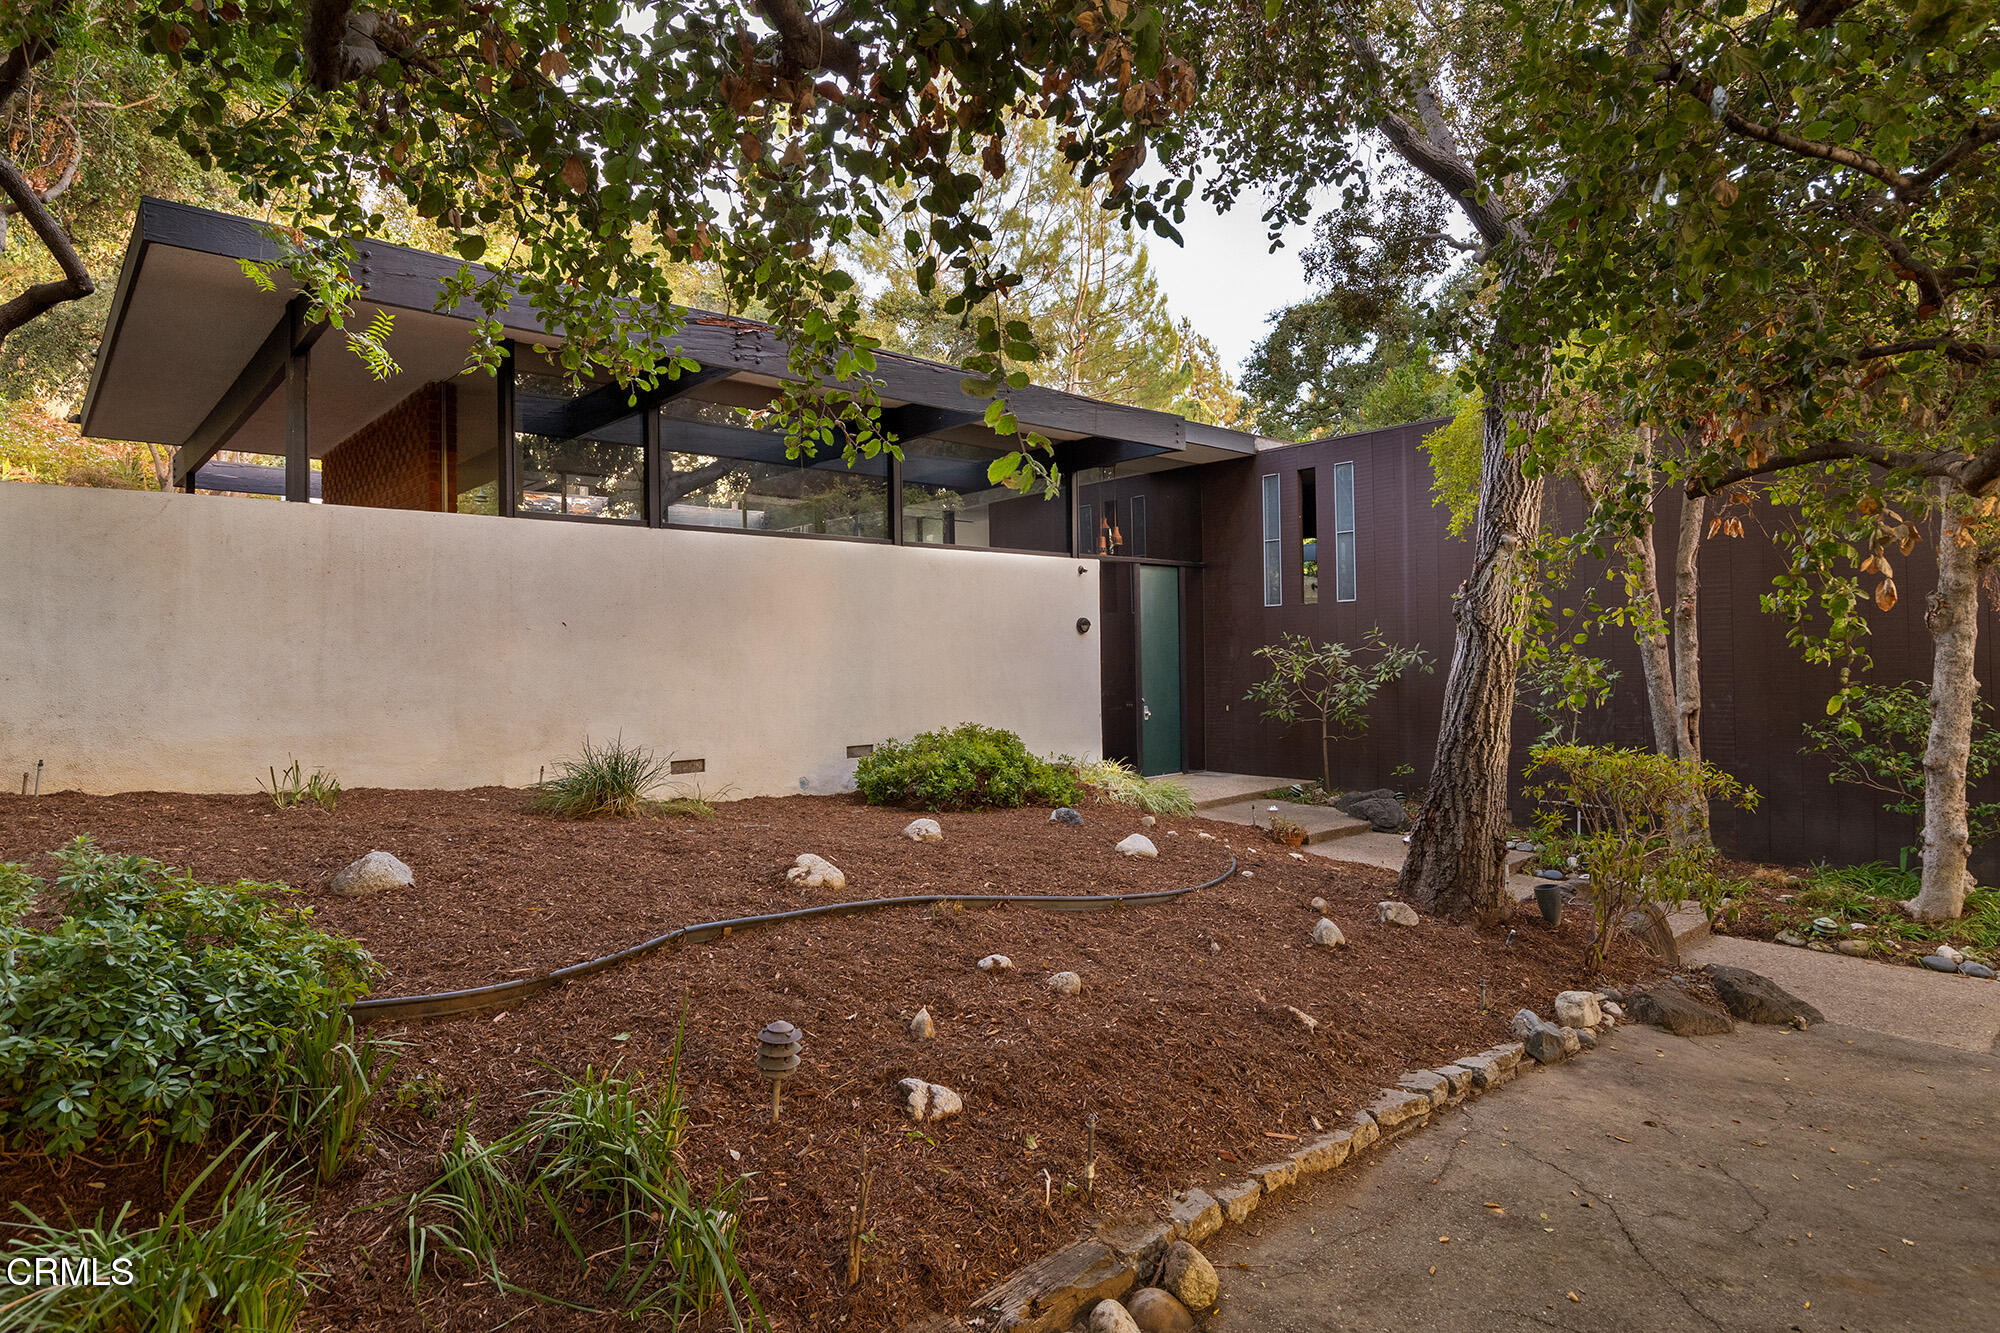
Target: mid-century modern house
{"points": [[476, 571]]}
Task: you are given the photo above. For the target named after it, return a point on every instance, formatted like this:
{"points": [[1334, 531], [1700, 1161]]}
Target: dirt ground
{"points": [[1181, 1045]]}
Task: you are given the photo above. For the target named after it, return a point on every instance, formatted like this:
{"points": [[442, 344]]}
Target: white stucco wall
{"points": [[187, 643]]}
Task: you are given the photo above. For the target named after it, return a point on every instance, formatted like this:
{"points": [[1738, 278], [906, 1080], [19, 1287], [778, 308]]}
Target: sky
{"points": [[1223, 279]]}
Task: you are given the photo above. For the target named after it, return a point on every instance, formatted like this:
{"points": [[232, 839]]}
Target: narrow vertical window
{"points": [[1135, 528], [1086, 522], [1343, 532], [1309, 533], [1273, 544]]}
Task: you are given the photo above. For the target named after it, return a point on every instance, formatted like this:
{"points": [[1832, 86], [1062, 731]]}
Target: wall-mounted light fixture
{"points": [[1083, 624]]}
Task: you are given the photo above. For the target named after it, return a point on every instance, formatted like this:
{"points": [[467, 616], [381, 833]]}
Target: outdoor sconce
{"points": [[777, 1057], [1083, 624]]}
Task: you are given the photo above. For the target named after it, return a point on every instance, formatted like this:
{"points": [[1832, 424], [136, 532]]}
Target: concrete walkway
{"points": [[1823, 1180], [1897, 1001]]}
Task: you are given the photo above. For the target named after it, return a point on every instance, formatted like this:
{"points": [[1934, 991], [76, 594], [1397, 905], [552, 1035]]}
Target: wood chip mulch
{"points": [[1180, 1045]]}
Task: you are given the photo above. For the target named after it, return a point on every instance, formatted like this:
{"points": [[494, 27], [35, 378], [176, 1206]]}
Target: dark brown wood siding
{"points": [[1758, 691]]}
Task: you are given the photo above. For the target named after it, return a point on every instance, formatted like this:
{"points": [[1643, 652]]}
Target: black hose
{"points": [[479, 997]]}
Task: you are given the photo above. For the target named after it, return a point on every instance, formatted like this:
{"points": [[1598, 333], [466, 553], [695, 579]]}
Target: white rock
{"points": [[1249, 874], [1942, 951], [1199, 834], [1610, 1008], [930, 1101], [1138, 845], [996, 962], [1065, 983], [1328, 934], [1111, 1317], [1147, 821], [923, 830], [1213, 947], [921, 1027], [1578, 1009], [1303, 1017], [1317, 904], [1571, 1042], [1296, 856], [815, 872], [373, 873], [1393, 913]]}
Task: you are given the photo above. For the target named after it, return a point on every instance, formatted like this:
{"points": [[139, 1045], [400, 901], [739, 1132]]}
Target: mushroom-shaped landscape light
{"points": [[777, 1057]]}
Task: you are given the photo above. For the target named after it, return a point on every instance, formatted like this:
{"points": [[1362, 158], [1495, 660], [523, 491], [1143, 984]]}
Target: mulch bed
{"points": [[1180, 1044]]}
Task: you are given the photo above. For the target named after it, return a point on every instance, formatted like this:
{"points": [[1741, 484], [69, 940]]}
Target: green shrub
{"points": [[237, 1267], [613, 780], [157, 1006], [1116, 781], [1629, 818], [963, 768], [598, 1162], [1878, 740]]}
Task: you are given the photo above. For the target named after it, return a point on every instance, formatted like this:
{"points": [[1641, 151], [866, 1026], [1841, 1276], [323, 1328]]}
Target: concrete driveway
{"points": [[1831, 1179]]}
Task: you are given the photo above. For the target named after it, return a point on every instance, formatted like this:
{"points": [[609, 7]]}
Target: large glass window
{"points": [[1273, 544], [716, 474], [1343, 532], [947, 501], [1152, 515], [577, 454]]}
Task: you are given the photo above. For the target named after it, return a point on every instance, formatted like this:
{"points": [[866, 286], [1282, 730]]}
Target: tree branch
{"points": [[1703, 90], [809, 45], [1832, 451], [75, 283]]}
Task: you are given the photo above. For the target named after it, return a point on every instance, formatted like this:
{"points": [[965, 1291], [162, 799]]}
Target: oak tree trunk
{"points": [[1655, 651], [1687, 631], [1953, 618], [1458, 842]]}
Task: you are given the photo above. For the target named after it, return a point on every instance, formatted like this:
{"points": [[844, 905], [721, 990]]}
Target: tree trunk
{"points": [[1687, 629], [1655, 651], [1458, 843], [1953, 618], [1325, 759]]}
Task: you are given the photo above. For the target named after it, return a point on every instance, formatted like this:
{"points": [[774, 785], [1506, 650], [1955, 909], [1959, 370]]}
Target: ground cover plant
{"points": [[1866, 904], [156, 1008], [1180, 1044], [1119, 781], [962, 768], [294, 788]]}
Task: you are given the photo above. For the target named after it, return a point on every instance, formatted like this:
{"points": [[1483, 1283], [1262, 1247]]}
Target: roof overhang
{"points": [[186, 322]]}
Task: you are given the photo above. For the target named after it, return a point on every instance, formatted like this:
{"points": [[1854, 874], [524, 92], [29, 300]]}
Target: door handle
{"points": [[1145, 710]]}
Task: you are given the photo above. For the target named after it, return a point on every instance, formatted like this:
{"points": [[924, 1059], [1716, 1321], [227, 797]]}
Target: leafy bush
{"points": [[237, 1267], [295, 788], [1116, 781], [963, 768], [1625, 815], [605, 780], [1878, 739], [156, 1006], [596, 1155], [1329, 686]]}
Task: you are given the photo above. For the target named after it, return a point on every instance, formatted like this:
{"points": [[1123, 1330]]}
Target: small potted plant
{"points": [[1284, 831]]}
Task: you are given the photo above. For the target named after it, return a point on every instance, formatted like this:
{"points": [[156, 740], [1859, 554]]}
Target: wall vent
{"points": [[859, 751], [688, 766]]}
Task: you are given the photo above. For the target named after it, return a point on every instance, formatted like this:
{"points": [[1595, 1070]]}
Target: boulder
{"points": [[1524, 1022], [996, 962], [1546, 1046], [1384, 815], [1972, 969], [1585, 1036], [1189, 1276], [1065, 983], [1669, 1007], [1156, 1311], [1937, 962], [1393, 913], [1572, 1040], [815, 872], [1196, 1215], [1111, 1317], [376, 872], [1347, 801], [1755, 998], [921, 1027], [1328, 934], [1138, 845], [929, 1102], [923, 830], [1062, 814], [1578, 1009]]}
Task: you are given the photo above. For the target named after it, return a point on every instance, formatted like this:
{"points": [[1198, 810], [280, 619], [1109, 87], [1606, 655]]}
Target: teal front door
{"points": [[1160, 749]]}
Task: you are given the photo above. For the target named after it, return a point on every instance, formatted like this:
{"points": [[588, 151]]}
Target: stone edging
{"points": [[1053, 1293]]}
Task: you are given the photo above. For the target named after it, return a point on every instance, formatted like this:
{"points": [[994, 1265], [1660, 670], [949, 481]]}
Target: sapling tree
{"points": [[1329, 686], [1623, 814], [1877, 740]]}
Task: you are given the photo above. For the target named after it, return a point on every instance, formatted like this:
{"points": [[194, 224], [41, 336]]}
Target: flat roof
{"points": [[186, 321]]}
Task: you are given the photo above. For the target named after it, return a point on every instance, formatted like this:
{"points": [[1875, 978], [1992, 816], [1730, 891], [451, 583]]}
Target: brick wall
{"points": [[407, 458]]}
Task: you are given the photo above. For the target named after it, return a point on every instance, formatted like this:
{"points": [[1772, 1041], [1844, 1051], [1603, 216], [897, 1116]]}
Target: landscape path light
{"points": [[777, 1057]]}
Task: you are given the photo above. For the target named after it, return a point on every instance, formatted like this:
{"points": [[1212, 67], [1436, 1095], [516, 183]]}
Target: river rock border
{"points": [[1057, 1292]]}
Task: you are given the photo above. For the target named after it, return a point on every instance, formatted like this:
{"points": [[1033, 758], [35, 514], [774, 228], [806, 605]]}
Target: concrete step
{"points": [[1214, 789], [1322, 823]]}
